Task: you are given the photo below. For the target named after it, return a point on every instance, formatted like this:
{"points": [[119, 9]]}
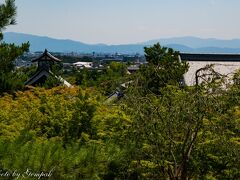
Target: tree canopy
{"points": [[163, 67], [9, 52]]}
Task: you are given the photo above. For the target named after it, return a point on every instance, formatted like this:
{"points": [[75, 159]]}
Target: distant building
{"points": [[44, 70], [22, 63], [81, 65], [224, 64], [133, 68]]}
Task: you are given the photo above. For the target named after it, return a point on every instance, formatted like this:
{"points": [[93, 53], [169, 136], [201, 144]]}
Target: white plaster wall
{"points": [[224, 68]]}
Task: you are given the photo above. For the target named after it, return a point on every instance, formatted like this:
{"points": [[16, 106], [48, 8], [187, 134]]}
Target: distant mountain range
{"points": [[182, 44]]}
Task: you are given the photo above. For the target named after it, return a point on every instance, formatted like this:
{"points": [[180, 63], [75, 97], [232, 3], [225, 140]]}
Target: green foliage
{"points": [[53, 114], [87, 78], [64, 129], [163, 68], [159, 130], [105, 80], [115, 74], [236, 78], [177, 133], [27, 71], [10, 82], [7, 14], [8, 52], [173, 135], [72, 162], [57, 68], [51, 82]]}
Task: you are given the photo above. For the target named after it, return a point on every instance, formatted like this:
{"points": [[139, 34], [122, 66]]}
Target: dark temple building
{"points": [[44, 70]]}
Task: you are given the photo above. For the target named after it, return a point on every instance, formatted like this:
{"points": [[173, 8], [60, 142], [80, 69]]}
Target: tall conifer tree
{"points": [[8, 52]]}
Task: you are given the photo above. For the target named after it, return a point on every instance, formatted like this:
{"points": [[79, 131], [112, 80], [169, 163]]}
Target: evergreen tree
{"points": [[8, 52], [163, 68]]}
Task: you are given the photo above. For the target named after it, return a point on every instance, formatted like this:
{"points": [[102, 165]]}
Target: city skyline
{"points": [[121, 22]]}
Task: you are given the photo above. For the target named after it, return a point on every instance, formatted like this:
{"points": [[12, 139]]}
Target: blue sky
{"points": [[128, 21]]}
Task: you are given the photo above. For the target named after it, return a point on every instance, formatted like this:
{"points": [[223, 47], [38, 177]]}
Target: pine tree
{"points": [[8, 52], [163, 68]]}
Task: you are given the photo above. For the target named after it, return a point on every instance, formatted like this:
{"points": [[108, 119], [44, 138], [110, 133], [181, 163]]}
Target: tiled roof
{"points": [[37, 76], [209, 57], [46, 56]]}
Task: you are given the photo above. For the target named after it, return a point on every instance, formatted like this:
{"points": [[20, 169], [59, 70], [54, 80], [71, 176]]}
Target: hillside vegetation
{"points": [[156, 129]]}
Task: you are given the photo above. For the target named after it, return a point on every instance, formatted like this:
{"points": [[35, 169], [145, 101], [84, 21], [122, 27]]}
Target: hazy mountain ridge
{"points": [[182, 44], [195, 42]]}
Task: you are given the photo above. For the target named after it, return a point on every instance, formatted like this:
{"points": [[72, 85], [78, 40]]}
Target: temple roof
{"points": [[46, 56], [37, 76], [210, 57]]}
